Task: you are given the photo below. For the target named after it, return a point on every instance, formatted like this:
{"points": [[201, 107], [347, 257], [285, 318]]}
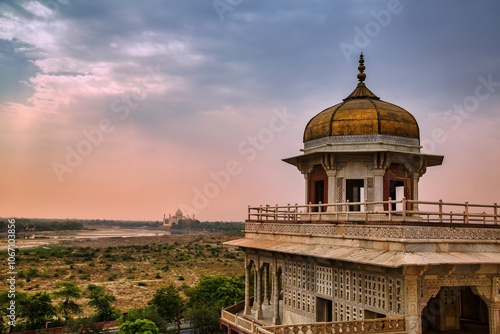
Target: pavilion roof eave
{"points": [[383, 258], [432, 159]]}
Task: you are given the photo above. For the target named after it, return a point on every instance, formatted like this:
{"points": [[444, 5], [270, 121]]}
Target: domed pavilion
{"points": [[363, 253], [362, 149]]}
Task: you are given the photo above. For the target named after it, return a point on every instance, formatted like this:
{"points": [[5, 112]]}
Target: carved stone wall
{"points": [[355, 291], [324, 281], [370, 192], [379, 231], [352, 291], [299, 288], [340, 191]]}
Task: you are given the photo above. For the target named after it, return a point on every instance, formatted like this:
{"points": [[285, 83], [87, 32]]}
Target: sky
{"points": [[132, 109]]}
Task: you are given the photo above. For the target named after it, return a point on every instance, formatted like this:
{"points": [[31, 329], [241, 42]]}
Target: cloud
{"points": [[66, 65]]}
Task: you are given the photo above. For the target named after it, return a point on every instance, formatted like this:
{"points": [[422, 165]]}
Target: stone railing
{"points": [[237, 307], [391, 211], [385, 325], [240, 322]]}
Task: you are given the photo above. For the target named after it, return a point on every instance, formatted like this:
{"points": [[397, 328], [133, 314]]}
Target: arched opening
{"points": [[397, 184], [455, 310], [355, 191], [318, 186]]}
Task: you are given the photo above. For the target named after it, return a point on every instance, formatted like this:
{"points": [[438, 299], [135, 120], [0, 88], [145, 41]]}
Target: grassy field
{"points": [[131, 268]]}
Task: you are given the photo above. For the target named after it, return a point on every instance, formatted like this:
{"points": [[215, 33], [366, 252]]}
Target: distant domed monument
{"points": [[178, 215], [363, 253]]}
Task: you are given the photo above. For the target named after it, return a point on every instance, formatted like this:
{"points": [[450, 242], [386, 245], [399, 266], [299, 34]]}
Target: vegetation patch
{"points": [[131, 270]]}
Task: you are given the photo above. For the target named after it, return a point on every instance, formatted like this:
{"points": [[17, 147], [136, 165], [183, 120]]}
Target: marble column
{"points": [[258, 296], [413, 315], [332, 187], [255, 291], [276, 297], [378, 188], [306, 187], [494, 310], [248, 272], [267, 287], [306, 171]]}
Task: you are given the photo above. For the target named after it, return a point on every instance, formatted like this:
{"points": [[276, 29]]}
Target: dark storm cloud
{"points": [[280, 53], [15, 71]]}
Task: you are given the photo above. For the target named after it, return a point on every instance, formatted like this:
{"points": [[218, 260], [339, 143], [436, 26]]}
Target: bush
{"points": [[208, 296], [102, 302], [139, 326], [32, 272], [112, 277]]}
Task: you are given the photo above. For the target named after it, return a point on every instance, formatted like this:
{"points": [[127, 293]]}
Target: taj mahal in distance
{"points": [[364, 253]]}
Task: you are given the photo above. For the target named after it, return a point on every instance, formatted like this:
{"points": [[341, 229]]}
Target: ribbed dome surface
{"points": [[362, 116]]}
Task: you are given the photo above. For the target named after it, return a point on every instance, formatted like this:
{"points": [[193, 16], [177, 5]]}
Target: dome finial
{"points": [[361, 90], [361, 68]]}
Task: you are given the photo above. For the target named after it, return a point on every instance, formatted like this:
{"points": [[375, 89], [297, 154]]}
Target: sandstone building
{"points": [[365, 254]]}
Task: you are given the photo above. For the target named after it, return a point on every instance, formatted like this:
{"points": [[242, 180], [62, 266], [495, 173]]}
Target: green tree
{"points": [[139, 326], [169, 304], [38, 310], [102, 302], [219, 290], [21, 300], [69, 292], [208, 296], [148, 312]]}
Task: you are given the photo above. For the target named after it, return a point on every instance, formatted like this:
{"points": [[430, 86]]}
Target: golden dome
{"points": [[362, 113]]}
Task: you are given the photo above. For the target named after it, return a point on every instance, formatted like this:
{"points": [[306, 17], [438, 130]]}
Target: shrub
{"points": [[139, 326], [32, 272]]}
